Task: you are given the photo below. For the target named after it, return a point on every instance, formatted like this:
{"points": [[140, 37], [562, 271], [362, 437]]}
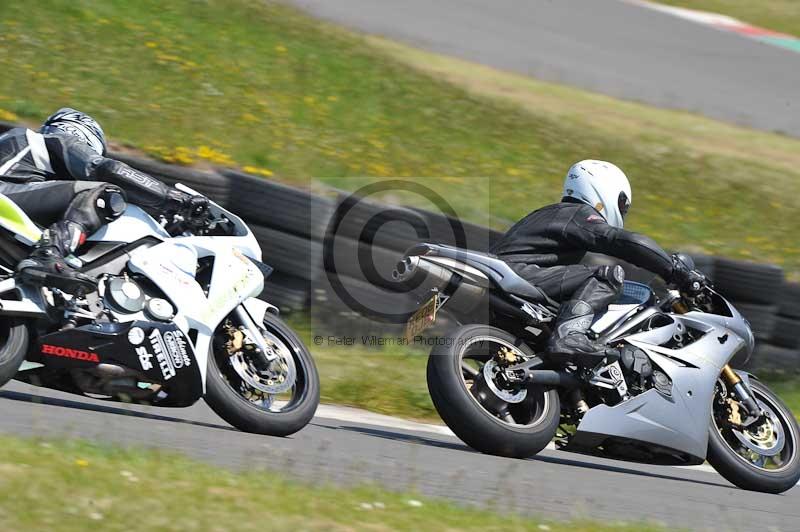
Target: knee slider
{"points": [[110, 203], [614, 275]]}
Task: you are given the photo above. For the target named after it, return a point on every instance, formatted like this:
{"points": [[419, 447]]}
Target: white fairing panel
{"points": [[172, 264], [234, 279], [680, 421], [613, 315], [133, 225]]}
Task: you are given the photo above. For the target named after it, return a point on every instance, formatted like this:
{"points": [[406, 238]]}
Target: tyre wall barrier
{"points": [[291, 225]]}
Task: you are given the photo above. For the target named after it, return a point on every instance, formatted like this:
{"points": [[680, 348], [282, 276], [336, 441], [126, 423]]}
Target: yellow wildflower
{"points": [[8, 115], [215, 156], [258, 171]]}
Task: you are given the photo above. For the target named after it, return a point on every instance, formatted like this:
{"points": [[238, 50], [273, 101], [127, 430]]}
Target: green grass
{"points": [[779, 15], [259, 85], [74, 486], [388, 380], [787, 388]]}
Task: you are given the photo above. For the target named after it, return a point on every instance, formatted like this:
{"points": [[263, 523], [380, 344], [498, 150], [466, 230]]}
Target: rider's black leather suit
{"points": [[546, 246], [56, 177]]}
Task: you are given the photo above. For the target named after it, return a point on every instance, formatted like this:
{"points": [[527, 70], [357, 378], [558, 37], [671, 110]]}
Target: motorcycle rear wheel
{"points": [[765, 457], [14, 339], [479, 417]]}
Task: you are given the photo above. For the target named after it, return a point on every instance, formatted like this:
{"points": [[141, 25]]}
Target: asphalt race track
{"points": [[404, 455], [608, 46]]}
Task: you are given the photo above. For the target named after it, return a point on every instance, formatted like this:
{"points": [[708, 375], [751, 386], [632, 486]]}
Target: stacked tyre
{"points": [[289, 224], [782, 352], [756, 291]]}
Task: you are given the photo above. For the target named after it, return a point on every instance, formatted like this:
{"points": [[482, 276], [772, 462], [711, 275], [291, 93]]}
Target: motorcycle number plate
{"points": [[423, 318]]}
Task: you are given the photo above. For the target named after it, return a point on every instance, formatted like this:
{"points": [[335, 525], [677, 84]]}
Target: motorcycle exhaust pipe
{"points": [[421, 277], [549, 377]]}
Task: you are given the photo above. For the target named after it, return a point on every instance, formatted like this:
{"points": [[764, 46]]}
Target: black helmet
{"points": [[71, 122]]}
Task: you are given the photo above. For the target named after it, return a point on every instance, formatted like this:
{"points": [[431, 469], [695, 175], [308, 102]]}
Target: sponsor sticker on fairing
{"points": [[160, 351], [66, 352], [144, 357], [176, 346], [136, 335]]}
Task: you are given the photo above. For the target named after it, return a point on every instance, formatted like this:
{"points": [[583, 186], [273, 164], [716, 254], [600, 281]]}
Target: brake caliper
{"points": [[506, 357]]}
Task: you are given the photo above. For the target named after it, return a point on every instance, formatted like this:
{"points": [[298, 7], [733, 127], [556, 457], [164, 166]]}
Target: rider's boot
{"points": [[46, 265], [570, 342]]}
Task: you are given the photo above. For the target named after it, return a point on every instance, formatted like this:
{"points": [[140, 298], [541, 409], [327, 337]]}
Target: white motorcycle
{"points": [[664, 395], [174, 318]]}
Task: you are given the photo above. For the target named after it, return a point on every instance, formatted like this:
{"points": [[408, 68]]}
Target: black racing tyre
{"points": [[289, 209], [774, 476], [533, 422], [6, 126], [289, 253], [287, 292], [762, 318], [14, 337], [770, 358], [244, 414], [362, 298], [446, 230], [742, 281], [362, 261], [387, 226], [789, 301], [786, 332]]}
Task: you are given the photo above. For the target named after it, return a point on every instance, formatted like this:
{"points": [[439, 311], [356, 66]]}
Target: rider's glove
{"points": [[687, 280], [194, 209]]}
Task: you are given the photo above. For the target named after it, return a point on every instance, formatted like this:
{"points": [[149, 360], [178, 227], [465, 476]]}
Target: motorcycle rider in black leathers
{"points": [[546, 246], [59, 176]]}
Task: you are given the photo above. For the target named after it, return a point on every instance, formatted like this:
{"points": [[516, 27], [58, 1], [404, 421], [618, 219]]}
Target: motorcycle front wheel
{"points": [[763, 456], [276, 399], [516, 423]]}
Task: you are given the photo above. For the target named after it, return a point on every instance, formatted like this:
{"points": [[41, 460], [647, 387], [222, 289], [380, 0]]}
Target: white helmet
{"points": [[601, 185]]}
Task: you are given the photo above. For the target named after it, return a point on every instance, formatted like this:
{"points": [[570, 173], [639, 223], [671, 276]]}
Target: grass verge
{"points": [[74, 486], [259, 85], [787, 388], [388, 380], [778, 15]]}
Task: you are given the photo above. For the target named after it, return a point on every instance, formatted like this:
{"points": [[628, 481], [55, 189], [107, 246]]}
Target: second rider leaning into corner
{"points": [[60, 177], [546, 246]]}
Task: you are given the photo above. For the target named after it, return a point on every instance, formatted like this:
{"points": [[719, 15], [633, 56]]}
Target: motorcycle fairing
{"points": [[15, 220], [679, 422], [234, 279], [160, 352], [131, 226]]}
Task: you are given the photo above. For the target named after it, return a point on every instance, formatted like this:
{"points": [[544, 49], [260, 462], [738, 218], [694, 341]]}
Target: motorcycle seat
{"points": [[495, 269]]}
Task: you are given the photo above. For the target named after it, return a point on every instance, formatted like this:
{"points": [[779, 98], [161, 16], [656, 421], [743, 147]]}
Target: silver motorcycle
{"points": [[664, 395]]}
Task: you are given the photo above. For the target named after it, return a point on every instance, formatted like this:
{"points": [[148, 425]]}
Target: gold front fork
{"points": [[734, 383], [730, 377]]}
